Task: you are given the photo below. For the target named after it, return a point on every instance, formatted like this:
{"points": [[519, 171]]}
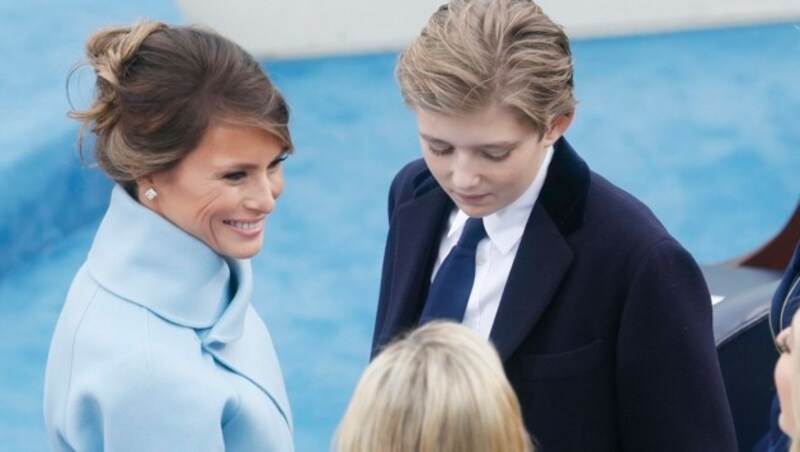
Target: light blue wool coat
{"points": [[159, 349]]}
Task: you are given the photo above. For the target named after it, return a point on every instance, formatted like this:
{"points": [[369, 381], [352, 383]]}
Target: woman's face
{"points": [[484, 160], [786, 376], [222, 192]]}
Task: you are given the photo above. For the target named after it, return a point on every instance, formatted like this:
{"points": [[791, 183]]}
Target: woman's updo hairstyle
{"points": [[159, 88]]}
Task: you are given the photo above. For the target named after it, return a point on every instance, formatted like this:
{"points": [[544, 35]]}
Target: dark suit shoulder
{"points": [[408, 183], [617, 218]]}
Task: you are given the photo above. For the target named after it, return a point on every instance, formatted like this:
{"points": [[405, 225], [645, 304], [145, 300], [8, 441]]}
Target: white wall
{"points": [[615, 17], [318, 27]]}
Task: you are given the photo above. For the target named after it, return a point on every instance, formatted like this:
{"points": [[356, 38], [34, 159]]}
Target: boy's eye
{"points": [[235, 176], [497, 156], [439, 150]]}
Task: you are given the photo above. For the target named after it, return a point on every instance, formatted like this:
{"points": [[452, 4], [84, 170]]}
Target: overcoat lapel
{"points": [[238, 332], [544, 255], [542, 260], [265, 372], [418, 226]]}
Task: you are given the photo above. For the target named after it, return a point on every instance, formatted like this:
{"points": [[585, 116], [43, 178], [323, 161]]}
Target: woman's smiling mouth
{"points": [[246, 228]]}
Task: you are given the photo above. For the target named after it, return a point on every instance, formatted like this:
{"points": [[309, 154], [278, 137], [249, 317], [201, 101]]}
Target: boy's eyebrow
{"points": [[430, 138], [495, 145]]}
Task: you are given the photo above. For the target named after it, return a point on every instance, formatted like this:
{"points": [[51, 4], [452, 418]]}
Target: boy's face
{"points": [[484, 160]]}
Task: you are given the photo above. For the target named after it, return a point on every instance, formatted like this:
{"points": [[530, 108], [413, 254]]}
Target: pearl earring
{"points": [[150, 194]]}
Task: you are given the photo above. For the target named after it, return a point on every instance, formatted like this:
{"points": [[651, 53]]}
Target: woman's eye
{"points": [[277, 162], [235, 176]]}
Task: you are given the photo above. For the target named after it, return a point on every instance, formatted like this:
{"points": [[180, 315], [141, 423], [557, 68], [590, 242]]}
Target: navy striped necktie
{"points": [[452, 285]]}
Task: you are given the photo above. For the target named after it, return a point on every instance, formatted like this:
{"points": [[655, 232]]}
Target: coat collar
{"points": [[544, 256], [563, 195], [417, 225], [142, 258], [566, 187], [542, 259]]}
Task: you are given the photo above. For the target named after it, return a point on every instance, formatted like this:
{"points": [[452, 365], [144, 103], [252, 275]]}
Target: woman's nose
{"points": [[261, 196]]}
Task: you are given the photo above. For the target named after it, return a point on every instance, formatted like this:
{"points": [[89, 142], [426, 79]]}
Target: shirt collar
{"points": [[505, 227]]}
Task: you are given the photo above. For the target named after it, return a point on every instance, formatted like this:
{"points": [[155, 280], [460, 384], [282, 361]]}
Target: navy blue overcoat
{"points": [[604, 326]]}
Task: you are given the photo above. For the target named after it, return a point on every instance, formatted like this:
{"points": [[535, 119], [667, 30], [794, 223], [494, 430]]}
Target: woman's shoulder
{"points": [[124, 354], [119, 340], [113, 362], [141, 397]]}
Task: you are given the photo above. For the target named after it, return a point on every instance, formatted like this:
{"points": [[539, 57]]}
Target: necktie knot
{"points": [[473, 232]]}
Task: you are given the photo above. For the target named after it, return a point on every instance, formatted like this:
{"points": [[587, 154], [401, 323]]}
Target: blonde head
{"points": [[473, 54], [439, 389], [159, 88]]}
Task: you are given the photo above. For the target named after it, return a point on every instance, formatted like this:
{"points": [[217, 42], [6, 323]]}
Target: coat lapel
{"points": [[417, 229], [238, 333], [544, 255], [263, 370], [542, 260]]}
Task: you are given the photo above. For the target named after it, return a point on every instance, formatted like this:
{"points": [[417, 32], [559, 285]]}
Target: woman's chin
{"points": [[240, 250]]}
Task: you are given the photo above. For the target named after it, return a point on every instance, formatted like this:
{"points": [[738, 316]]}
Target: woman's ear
{"points": [[145, 189], [558, 126]]}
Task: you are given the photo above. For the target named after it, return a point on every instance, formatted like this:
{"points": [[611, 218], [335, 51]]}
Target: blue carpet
{"points": [[699, 125]]}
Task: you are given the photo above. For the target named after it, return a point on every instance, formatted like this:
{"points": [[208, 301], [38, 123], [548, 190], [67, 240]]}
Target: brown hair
{"points": [[474, 53], [442, 388], [160, 87]]}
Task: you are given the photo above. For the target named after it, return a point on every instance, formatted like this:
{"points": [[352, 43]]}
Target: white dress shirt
{"points": [[495, 254]]}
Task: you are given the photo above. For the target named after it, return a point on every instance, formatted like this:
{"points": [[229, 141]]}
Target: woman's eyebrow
{"points": [[236, 167]]}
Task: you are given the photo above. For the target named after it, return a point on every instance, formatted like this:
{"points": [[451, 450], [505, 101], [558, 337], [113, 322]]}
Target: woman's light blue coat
{"points": [[159, 349]]}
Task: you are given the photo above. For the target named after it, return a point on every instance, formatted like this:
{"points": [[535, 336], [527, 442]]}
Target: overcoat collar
{"points": [[544, 256], [542, 259], [418, 226], [142, 258]]}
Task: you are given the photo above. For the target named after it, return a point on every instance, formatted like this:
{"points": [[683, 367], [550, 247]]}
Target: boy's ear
{"points": [[557, 128]]}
